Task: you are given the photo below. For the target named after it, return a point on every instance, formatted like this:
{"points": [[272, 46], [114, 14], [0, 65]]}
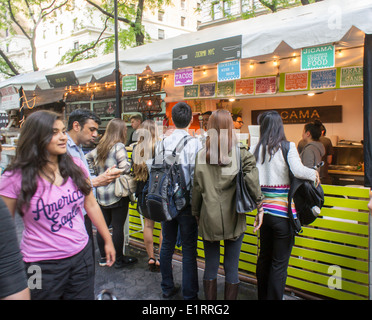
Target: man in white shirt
{"points": [[185, 222]]}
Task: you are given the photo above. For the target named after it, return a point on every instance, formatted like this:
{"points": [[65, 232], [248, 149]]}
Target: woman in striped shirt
{"points": [[276, 236]]}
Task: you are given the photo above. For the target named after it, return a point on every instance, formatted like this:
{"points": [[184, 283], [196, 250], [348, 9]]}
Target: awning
{"points": [[342, 22]]}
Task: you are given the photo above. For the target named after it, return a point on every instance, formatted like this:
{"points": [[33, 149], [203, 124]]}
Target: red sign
{"points": [[296, 81], [266, 85]]}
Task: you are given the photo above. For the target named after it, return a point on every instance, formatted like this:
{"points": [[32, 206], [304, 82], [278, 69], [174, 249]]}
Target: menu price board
{"points": [[191, 91], [225, 89], [266, 85], [207, 90], [351, 77], [323, 79], [244, 87], [296, 81]]}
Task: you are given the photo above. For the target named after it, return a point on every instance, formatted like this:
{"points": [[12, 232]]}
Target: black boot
{"points": [[210, 289]]}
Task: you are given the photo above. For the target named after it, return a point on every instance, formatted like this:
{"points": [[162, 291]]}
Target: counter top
{"points": [[347, 172]]}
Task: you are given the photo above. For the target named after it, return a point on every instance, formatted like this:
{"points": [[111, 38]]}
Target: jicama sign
{"points": [[319, 57]]}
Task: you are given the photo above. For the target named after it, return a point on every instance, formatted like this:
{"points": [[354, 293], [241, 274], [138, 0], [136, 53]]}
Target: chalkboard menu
{"points": [[131, 105], [105, 109]]}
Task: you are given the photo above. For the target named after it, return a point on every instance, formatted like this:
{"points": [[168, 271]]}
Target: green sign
{"points": [[129, 83], [318, 57], [351, 77], [191, 91]]}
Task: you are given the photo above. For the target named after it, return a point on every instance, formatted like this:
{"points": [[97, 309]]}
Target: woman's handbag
{"points": [[244, 201], [125, 185]]}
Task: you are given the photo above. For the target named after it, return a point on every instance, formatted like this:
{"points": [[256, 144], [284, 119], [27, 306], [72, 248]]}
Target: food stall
{"points": [[308, 63]]}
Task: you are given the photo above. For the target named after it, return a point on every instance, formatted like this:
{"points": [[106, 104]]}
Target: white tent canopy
{"points": [[343, 22]]}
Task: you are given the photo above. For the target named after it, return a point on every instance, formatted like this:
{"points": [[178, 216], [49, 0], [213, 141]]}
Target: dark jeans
{"points": [[230, 262], [115, 217], [65, 279], [189, 235], [277, 240]]}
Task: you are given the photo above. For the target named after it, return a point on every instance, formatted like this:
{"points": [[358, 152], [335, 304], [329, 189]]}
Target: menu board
{"points": [[266, 85], [225, 89], [207, 90], [71, 107], [244, 87], [296, 81], [105, 109], [351, 77], [323, 79], [191, 91]]}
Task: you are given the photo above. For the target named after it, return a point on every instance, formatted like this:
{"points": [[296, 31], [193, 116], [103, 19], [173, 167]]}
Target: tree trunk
{"points": [[140, 37], [9, 63]]}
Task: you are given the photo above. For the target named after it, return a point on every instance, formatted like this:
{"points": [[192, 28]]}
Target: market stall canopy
{"points": [[342, 22]]}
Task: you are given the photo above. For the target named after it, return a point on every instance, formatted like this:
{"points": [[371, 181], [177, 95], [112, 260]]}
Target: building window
{"points": [[183, 19], [183, 4], [161, 15], [76, 45], [7, 47], [161, 34], [226, 8], [216, 10], [60, 51], [56, 29], [45, 54]]}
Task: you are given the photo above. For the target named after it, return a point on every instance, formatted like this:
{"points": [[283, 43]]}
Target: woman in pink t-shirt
{"points": [[50, 189]]}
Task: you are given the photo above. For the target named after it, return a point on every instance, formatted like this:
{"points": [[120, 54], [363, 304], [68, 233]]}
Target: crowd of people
{"points": [[60, 192]]}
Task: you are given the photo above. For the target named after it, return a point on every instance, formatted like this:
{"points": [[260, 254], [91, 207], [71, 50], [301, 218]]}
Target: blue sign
{"points": [[227, 71], [323, 79]]}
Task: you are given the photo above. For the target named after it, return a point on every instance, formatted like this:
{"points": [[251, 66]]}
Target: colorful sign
{"points": [[319, 57], [296, 81], [323, 79], [227, 71], [129, 83], [184, 77], [244, 87], [266, 85], [351, 77]]}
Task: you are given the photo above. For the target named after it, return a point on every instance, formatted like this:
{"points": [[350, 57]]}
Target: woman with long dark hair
{"points": [[142, 153], [213, 201], [276, 236], [111, 152], [50, 189]]}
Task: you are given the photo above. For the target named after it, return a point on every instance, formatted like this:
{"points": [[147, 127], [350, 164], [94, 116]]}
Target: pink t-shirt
{"points": [[54, 223]]}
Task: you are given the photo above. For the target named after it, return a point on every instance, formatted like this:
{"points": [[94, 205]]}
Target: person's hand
{"points": [[110, 253], [259, 219], [317, 179], [107, 177]]}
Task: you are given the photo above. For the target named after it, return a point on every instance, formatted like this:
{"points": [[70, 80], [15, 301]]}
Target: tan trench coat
{"points": [[213, 196]]}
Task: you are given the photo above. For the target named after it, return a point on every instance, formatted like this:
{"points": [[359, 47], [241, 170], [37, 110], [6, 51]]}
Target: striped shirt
{"points": [[276, 201]]}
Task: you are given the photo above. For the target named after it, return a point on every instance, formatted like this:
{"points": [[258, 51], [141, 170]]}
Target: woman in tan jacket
{"points": [[213, 202]]}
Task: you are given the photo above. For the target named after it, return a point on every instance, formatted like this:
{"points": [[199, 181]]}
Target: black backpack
{"points": [[308, 199], [167, 190]]}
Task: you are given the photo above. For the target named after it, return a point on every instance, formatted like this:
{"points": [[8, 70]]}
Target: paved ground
{"points": [[137, 282]]}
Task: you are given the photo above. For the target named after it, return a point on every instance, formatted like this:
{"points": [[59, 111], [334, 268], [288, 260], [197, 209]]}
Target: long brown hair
{"points": [[220, 134], [116, 131], [145, 149], [32, 158]]}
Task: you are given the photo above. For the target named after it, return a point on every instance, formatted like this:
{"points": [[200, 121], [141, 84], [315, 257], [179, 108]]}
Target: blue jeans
{"points": [[189, 236]]}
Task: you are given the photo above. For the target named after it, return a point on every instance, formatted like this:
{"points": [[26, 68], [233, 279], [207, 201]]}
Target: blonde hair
{"points": [[116, 131], [145, 149]]}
